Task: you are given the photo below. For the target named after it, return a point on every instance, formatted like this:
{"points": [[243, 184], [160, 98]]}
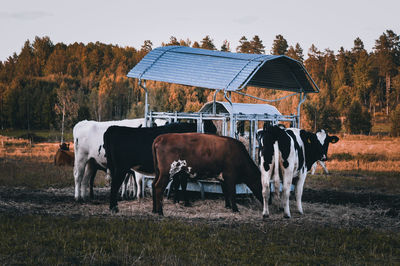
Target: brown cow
{"points": [[64, 157], [202, 155]]}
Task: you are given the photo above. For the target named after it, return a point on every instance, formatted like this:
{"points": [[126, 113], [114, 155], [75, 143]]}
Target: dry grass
{"points": [[27, 164], [22, 149]]}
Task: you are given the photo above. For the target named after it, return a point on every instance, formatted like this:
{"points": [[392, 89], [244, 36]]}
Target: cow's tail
{"points": [[107, 149], [155, 160], [76, 155], [269, 138]]}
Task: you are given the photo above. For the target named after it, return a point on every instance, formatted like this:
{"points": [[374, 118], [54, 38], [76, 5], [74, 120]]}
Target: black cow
{"points": [[127, 148], [197, 155], [289, 154]]}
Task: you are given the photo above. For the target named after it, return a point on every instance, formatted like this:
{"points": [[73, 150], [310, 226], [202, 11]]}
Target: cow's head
{"points": [[312, 147], [325, 139], [64, 146]]}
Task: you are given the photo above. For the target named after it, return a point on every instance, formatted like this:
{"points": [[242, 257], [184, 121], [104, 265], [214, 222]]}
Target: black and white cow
{"points": [[127, 148], [287, 154], [325, 145]]}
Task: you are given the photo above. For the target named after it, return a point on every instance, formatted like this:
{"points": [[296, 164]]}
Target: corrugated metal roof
{"points": [[240, 108], [222, 70]]}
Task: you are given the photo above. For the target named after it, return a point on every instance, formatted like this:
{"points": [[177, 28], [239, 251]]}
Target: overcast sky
{"points": [[326, 24]]}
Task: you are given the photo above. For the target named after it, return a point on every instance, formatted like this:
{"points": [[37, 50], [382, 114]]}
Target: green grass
{"points": [[365, 157], [62, 240], [380, 182]]}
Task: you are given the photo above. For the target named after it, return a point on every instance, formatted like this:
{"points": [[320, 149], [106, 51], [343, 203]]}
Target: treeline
{"points": [[46, 84]]}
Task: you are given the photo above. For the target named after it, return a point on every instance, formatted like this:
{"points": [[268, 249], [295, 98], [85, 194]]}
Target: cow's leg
{"points": [[299, 191], [287, 183], [314, 167], [184, 181], [230, 190], [276, 178], [225, 192], [133, 185], [265, 180], [158, 192], [124, 187], [232, 193], [90, 171], [116, 180], [139, 184], [176, 182], [91, 185], [324, 167], [79, 171]]}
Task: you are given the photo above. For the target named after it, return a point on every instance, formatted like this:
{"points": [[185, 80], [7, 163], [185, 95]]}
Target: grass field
{"points": [[342, 234]]}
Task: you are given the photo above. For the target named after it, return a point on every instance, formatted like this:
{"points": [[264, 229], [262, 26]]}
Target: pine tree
{"points": [[256, 46], [296, 52], [279, 46], [244, 46], [147, 46], [207, 43], [387, 56]]}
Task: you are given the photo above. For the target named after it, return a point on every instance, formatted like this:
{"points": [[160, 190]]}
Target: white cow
{"points": [[291, 153], [89, 151]]}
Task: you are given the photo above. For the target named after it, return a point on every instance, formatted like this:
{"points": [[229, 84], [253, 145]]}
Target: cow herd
{"points": [[175, 152]]}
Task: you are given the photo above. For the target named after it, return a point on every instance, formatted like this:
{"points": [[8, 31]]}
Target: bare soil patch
{"points": [[321, 207]]}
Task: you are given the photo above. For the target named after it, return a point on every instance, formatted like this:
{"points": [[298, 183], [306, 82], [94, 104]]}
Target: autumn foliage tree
{"points": [[44, 79]]}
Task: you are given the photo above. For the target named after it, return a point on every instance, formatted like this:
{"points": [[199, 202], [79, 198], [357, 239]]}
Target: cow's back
{"points": [[64, 157], [202, 152]]}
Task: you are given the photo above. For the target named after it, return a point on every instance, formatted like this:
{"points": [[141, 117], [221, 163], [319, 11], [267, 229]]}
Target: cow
{"points": [[289, 154], [325, 144], [64, 157], [89, 152], [203, 155], [127, 148]]}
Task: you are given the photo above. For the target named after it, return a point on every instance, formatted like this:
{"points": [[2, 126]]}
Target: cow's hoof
{"points": [[160, 213], [265, 217], [235, 210], [286, 216], [114, 209], [79, 200]]}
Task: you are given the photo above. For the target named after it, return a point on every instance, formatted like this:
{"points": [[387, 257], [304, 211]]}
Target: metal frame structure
{"points": [[224, 72]]}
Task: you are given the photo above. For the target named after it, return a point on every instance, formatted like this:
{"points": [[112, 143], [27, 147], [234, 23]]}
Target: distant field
{"points": [[351, 216], [369, 153], [39, 135]]}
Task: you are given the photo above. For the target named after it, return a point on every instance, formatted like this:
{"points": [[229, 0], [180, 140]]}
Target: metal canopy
{"points": [[241, 108], [223, 70]]}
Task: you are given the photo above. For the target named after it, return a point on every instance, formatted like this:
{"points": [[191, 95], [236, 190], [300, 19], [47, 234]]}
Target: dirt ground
{"points": [[321, 208]]}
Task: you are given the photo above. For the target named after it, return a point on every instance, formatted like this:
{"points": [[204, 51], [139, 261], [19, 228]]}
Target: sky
{"points": [[326, 24]]}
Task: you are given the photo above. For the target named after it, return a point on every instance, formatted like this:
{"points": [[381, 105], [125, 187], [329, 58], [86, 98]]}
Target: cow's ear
{"points": [[333, 139]]}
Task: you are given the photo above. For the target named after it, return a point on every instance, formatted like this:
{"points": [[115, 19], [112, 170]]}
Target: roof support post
{"points": [[214, 109], [146, 106], [303, 97], [232, 123]]}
